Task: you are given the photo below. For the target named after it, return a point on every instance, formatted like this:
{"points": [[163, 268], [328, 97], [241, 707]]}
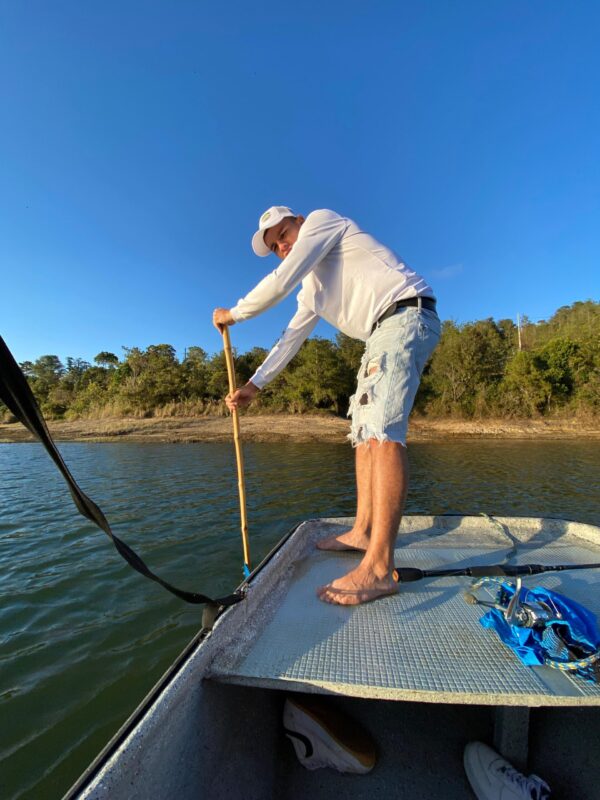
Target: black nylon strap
{"points": [[16, 394]]}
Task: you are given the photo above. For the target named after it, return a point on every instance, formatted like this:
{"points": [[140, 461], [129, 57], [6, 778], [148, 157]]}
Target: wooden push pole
{"points": [[238, 449]]}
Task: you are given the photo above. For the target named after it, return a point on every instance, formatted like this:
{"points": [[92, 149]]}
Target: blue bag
{"points": [[570, 641]]}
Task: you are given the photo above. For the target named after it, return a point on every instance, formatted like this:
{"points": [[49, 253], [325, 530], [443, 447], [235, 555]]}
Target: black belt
{"points": [[426, 302]]}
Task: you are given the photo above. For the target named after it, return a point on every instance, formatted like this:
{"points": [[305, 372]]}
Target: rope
{"points": [[503, 529]]}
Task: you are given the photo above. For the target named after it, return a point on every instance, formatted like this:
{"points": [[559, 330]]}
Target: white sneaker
{"points": [[493, 778]]}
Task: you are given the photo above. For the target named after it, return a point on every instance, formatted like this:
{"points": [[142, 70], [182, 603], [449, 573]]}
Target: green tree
{"points": [[247, 363], [91, 397], [149, 379], [45, 376], [218, 381], [72, 377], [195, 374], [317, 379], [449, 379], [27, 368], [106, 359], [524, 390], [161, 379], [467, 367], [48, 369], [557, 360], [350, 351]]}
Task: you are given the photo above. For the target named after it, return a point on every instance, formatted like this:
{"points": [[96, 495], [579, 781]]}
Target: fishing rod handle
{"points": [[407, 574], [411, 574]]}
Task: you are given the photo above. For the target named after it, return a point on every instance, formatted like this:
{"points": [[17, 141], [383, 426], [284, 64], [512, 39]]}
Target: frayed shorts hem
{"points": [[365, 435]]}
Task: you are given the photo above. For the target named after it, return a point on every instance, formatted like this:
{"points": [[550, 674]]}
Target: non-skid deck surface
{"points": [[424, 643]]}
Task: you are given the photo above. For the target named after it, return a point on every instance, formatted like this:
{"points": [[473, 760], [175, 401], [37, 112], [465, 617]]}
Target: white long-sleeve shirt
{"points": [[348, 278]]}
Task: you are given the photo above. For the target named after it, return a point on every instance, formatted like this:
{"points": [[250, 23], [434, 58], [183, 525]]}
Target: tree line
{"points": [[480, 369]]}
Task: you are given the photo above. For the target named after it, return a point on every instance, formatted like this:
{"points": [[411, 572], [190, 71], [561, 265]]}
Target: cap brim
{"points": [[258, 244]]}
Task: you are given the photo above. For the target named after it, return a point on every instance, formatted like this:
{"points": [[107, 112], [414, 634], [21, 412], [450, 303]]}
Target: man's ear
{"points": [[300, 219]]}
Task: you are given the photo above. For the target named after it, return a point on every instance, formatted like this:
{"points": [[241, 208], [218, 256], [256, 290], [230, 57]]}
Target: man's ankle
{"points": [[362, 526], [381, 566]]}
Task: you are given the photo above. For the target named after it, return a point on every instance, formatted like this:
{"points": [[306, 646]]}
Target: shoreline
{"points": [[291, 428]]}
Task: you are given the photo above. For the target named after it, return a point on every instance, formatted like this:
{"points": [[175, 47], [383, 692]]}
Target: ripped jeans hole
{"points": [[374, 366], [374, 370]]}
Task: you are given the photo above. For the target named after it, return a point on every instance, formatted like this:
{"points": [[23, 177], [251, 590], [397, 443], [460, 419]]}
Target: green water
{"points": [[83, 637]]}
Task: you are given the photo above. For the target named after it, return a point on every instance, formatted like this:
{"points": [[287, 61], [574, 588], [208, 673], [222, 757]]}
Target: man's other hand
{"points": [[242, 397], [221, 318]]}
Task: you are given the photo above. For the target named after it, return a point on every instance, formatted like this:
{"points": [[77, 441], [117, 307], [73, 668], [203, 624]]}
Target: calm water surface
{"points": [[83, 637]]}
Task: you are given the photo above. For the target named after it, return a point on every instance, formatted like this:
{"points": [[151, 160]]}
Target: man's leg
{"points": [[395, 356], [389, 484], [390, 487], [358, 537]]}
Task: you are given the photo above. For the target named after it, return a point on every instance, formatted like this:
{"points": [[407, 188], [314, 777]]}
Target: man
{"points": [[362, 288]]}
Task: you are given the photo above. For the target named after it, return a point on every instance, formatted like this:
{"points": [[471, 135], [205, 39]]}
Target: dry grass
{"points": [[206, 427], [191, 408]]}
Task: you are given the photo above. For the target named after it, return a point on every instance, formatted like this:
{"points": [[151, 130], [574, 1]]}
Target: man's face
{"points": [[280, 238]]}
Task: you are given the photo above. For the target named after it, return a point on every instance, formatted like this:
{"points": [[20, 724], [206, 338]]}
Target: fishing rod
{"points": [[410, 574]]}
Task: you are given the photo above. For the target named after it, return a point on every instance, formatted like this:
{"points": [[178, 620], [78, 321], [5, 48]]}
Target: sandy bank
{"points": [[291, 427]]}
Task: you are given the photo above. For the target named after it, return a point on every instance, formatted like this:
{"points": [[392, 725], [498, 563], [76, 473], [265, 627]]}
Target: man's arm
{"points": [[319, 234], [300, 327]]}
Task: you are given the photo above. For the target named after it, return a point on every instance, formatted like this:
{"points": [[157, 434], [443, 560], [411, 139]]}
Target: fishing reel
{"points": [[515, 610], [552, 631]]}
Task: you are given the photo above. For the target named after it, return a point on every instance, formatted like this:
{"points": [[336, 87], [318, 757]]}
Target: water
{"points": [[83, 637]]}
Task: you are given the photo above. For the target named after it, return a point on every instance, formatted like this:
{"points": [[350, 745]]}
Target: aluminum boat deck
{"points": [[424, 644], [199, 735]]}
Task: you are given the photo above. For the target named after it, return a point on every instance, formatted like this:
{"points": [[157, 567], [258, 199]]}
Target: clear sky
{"points": [[140, 141]]}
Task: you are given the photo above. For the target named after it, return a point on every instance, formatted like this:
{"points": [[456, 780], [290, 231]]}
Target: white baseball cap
{"points": [[269, 219]]}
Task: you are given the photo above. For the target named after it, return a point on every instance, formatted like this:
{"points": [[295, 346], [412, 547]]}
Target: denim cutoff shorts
{"points": [[390, 371]]}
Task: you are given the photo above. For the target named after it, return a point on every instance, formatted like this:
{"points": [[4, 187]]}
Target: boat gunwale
{"points": [[147, 702]]}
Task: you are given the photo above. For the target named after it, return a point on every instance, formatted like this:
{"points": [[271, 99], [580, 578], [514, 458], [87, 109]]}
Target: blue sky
{"points": [[140, 141]]}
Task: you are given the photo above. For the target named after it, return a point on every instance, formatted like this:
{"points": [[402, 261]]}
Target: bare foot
{"points": [[361, 585], [351, 540]]}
